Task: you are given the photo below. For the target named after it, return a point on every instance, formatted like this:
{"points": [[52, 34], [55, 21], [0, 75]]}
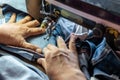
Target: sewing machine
{"points": [[85, 14], [79, 12]]}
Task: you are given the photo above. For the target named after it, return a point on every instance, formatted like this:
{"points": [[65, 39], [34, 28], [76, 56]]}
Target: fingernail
{"points": [[59, 37], [38, 60], [38, 50], [36, 22]]}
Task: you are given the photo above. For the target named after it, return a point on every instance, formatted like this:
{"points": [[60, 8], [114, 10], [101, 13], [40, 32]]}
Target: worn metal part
{"points": [[49, 30], [86, 14]]}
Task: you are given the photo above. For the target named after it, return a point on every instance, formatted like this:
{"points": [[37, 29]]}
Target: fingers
{"points": [[72, 46], [61, 43], [45, 50], [34, 31], [50, 49], [25, 20], [33, 23], [12, 18], [42, 62], [31, 46]]}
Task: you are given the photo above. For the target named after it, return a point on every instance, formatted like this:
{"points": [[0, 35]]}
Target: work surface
{"points": [[19, 4]]}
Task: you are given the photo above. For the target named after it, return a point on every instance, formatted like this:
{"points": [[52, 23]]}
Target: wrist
{"points": [[68, 74]]}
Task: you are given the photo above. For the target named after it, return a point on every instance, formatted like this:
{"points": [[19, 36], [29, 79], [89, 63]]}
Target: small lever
{"points": [[50, 28]]}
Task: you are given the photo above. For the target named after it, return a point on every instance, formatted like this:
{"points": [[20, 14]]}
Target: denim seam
{"points": [[105, 52]]}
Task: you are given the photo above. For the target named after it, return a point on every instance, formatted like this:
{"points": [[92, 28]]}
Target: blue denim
{"points": [[23, 70], [110, 64], [12, 68], [105, 63], [63, 28], [37, 40]]}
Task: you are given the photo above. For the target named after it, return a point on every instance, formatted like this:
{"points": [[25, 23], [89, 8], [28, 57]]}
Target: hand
{"points": [[14, 34], [61, 63]]}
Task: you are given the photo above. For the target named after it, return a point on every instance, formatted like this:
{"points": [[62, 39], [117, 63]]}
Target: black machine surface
{"points": [[86, 14]]}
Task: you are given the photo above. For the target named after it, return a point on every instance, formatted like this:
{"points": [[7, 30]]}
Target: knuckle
{"points": [[28, 30], [27, 18], [36, 22]]}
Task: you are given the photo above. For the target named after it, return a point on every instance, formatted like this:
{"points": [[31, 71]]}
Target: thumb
{"points": [[42, 62], [31, 46], [72, 46]]}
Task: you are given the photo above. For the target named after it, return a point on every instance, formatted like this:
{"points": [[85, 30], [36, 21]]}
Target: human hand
{"points": [[14, 34], [61, 63]]}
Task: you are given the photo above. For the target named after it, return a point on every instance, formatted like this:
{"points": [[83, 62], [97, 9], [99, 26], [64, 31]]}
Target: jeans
{"points": [[19, 70], [105, 62]]}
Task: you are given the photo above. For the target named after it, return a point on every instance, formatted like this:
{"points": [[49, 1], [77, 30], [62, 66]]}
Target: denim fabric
{"points": [[101, 75], [92, 48], [12, 69], [28, 72], [63, 28], [110, 64], [105, 62], [8, 10], [18, 4], [98, 51], [103, 65]]}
